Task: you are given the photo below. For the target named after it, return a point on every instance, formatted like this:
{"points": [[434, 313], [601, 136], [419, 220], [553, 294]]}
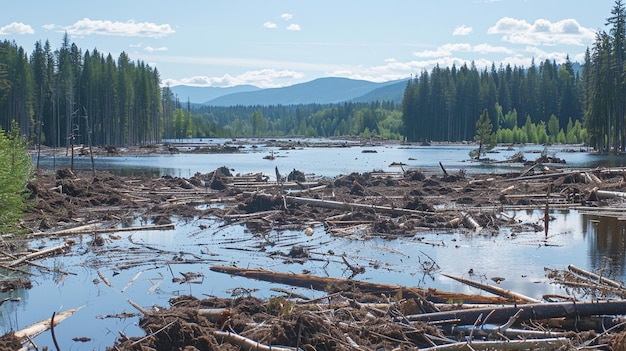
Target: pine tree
{"points": [[484, 133]]}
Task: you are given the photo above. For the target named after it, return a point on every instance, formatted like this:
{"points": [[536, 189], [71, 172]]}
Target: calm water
{"points": [[330, 162], [585, 241]]}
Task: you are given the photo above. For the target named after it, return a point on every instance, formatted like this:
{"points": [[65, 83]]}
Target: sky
{"points": [[275, 43]]}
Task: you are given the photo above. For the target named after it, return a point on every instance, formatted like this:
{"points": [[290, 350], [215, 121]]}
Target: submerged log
{"points": [[528, 312], [336, 284]]}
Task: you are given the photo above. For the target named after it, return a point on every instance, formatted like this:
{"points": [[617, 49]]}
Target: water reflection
{"points": [[606, 242], [582, 240], [333, 161]]}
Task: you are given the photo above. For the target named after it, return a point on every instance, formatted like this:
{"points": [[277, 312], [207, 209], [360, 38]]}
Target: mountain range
{"points": [[319, 91]]}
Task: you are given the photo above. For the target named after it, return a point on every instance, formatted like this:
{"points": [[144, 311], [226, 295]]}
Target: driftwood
{"points": [[338, 205], [594, 276], [37, 254], [246, 343], [606, 194], [91, 229], [37, 328], [494, 289], [471, 222], [104, 279], [331, 284], [132, 281], [529, 312], [544, 344]]}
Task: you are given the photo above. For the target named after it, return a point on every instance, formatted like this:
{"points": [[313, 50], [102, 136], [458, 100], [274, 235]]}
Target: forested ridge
{"points": [[65, 97]]}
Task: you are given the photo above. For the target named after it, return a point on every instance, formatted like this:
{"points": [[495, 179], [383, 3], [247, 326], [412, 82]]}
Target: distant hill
{"points": [[393, 91], [201, 95], [319, 91]]}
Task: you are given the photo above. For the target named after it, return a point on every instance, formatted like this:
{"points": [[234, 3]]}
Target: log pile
{"points": [[354, 315]]}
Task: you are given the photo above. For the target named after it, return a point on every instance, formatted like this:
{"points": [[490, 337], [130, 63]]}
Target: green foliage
{"points": [[484, 133], [16, 169]]}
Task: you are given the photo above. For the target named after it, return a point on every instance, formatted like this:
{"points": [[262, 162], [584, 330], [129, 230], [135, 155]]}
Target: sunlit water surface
{"points": [[585, 241]]}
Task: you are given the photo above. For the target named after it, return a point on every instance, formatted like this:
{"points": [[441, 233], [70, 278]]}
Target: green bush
{"points": [[16, 169]]}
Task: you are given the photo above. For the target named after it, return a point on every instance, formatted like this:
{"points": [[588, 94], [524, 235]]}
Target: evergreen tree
{"points": [[484, 133]]}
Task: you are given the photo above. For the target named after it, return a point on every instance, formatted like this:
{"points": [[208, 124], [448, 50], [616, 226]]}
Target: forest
{"points": [[66, 96]]}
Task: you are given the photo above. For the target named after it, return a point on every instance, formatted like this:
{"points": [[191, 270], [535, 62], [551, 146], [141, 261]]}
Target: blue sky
{"points": [[279, 42]]}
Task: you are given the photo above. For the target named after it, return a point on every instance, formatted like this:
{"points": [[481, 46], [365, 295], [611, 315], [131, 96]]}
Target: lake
{"points": [[585, 241]]}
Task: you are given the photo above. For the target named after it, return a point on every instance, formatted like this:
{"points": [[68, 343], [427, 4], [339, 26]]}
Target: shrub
{"points": [[16, 169]]}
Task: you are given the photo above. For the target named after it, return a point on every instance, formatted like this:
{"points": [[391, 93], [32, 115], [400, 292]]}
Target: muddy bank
{"points": [[373, 204]]}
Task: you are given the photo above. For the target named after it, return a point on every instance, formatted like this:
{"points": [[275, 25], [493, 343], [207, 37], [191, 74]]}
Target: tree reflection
{"points": [[606, 242]]}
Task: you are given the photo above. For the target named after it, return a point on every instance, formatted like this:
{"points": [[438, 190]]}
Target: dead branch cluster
{"points": [[352, 315]]}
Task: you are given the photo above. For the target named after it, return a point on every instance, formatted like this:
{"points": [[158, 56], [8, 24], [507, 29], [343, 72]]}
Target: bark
{"points": [[332, 284], [246, 343], [543, 344], [37, 328], [494, 289], [538, 311]]}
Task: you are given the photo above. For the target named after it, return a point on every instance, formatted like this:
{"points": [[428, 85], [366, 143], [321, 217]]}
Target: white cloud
{"points": [[16, 28], [542, 32], [270, 25], [48, 26], [151, 49], [444, 50], [130, 28], [462, 30], [490, 49], [265, 78], [286, 16], [293, 26]]}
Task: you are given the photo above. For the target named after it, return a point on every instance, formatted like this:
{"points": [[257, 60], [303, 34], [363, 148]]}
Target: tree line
{"points": [[543, 103], [364, 119], [65, 97], [445, 104]]}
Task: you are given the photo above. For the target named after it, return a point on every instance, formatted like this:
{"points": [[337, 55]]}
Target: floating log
{"points": [[104, 279], [324, 283], [494, 289], [91, 229], [37, 254], [529, 312], [37, 328]]}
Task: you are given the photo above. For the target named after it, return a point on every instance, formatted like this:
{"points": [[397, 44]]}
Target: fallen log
{"points": [[606, 194], [544, 344], [246, 343], [347, 206], [494, 289], [37, 328], [37, 254], [335, 284], [91, 229], [596, 277], [529, 312]]}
